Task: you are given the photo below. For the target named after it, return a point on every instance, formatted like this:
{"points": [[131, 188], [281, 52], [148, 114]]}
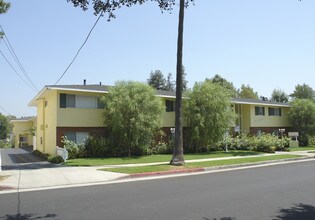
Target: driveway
{"points": [[21, 159]]}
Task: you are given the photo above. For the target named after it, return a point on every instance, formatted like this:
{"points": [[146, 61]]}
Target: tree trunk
{"points": [[178, 154]]}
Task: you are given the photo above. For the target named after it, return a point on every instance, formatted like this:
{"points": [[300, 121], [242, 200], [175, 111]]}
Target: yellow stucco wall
{"points": [[79, 117], [22, 128], [269, 121], [46, 123], [246, 119]]}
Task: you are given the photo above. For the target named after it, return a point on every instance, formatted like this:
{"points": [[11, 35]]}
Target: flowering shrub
{"points": [[74, 150], [263, 143]]}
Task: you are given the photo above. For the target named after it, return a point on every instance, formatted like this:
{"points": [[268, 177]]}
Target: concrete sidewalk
{"points": [[59, 176]]}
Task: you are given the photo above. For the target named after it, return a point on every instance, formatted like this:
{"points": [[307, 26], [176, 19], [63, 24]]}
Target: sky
{"points": [[264, 44]]}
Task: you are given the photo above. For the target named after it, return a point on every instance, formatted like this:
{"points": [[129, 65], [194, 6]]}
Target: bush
{"points": [[263, 143], [99, 147], [40, 154], [55, 159], [159, 147], [4, 144], [74, 150]]}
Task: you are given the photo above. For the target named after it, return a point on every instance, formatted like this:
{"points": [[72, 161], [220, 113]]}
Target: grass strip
{"points": [[292, 149], [159, 168], [154, 158]]}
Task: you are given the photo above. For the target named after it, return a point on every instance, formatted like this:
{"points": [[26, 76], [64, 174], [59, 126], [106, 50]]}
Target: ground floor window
{"points": [[77, 137]]}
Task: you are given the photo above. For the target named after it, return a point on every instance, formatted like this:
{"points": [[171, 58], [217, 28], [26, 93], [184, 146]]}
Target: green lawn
{"points": [[302, 148], [159, 168], [153, 158]]}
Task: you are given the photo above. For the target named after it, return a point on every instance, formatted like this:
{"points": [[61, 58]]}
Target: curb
{"points": [[194, 170], [257, 163], [169, 172]]}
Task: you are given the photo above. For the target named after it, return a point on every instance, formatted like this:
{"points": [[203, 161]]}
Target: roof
{"points": [[96, 88], [259, 102], [23, 119]]}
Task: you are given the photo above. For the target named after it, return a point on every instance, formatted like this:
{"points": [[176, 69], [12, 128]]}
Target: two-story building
{"points": [[75, 111]]}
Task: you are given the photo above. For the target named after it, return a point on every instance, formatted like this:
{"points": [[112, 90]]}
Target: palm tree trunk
{"points": [[178, 154]]}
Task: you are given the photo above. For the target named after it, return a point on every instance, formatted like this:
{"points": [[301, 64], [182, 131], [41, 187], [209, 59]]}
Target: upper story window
{"points": [[274, 111], [259, 110], [169, 106], [79, 101]]}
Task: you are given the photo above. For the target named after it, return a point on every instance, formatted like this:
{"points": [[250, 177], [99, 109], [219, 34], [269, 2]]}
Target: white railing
{"points": [[63, 153]]}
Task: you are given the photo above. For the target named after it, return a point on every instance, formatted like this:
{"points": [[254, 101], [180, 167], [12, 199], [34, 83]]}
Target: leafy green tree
{"points": [[157, 80], [224, 83], [132, 115], [247, 92], [5, 127], [109, 7], [303, 92], [302, 118], [279, 95], [208, 113], [4, 6]]}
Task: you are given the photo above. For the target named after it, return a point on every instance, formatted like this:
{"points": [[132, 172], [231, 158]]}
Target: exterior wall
{"points": [[46, 123], [246, 119], [269, 121], [22, 129], [79, 117], [168, 119]]}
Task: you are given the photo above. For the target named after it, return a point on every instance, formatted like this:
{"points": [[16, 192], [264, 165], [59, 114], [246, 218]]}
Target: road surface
{"points": [[283, 192]]}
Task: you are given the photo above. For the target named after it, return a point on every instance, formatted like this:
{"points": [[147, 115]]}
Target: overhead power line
{"points": [[17, 60], [86, 39], [16, 71], [4, 110]]}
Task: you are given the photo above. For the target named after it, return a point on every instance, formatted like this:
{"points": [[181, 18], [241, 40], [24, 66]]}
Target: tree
{"points": [[5, 127], [208, 113], [247, 92], [4, 6], [224, 83], [279, 95], [170, 83], [302, 118], [303, 92], [157, 80], [132, 115], [109, 7]]}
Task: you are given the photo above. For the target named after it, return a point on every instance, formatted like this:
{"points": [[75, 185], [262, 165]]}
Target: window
{"points": [[79, 101], [169, 105], [259, 110], [274, 111], [77, 137]]}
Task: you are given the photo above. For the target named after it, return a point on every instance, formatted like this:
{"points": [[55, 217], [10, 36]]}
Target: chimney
{"points": [[100, 83], [84, 82]]}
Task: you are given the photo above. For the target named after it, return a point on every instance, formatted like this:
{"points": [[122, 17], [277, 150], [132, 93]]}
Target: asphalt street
{"points": [[282, 192]]}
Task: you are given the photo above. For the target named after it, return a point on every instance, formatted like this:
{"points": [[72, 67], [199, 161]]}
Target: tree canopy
{"points": [[208, 113], [247, 92], [279, 95], [4, 6], [302, 118], [303, 92], [132, 115], [224, 83], [5, 127]]}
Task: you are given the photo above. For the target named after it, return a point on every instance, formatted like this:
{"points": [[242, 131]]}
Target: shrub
{"points": [[40, 154], [267, 143], [159, 147], [99, 147], [74, 150], [4, 144], [55, 159]]}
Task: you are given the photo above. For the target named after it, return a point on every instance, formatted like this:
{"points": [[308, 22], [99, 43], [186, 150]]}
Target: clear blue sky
{"points": [[266, 44]]}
